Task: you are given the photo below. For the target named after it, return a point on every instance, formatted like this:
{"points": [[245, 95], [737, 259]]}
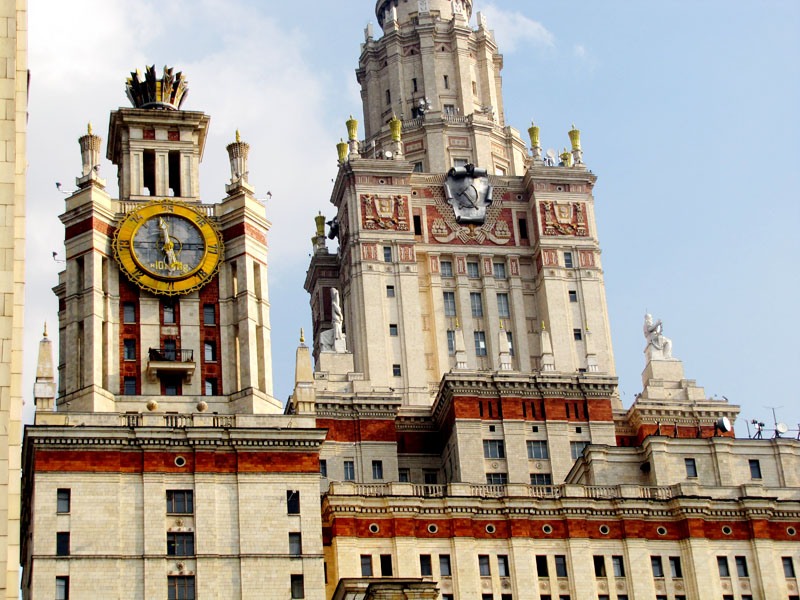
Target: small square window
{"points": [[480, 343], [295, 543], [390, 291], [180, 502], [568, 260], [755, 469], [349, 470], [180, 543], [577, 334], [691, 467], [209, 314], [293, 502], [298, 586], [129, 386], [446, 267], [397, 371], [418, 168], [63, 500], [129, 349], [537, 450], [62, 543], [494, 449], [573, 295], [450, 110], [377, 470], [472, 270], [577, 448], [393, 329], [180, 587], [425, 568], [387, 254], [128, 312]]}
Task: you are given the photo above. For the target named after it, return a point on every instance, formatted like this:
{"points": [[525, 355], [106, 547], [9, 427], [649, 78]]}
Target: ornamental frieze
{"points": [[384, 212], [564, 218]]}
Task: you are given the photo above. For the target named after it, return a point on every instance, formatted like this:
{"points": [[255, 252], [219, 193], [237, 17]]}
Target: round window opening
{"points": [[661, 531], [791, 531], [433, 528], [180, 461], [604, 529], [727, 530], [547, 529], [373, 527], [490, 528]]}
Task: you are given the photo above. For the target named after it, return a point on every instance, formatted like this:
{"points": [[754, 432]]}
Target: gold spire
{"points": [[302, 336], [45, 323], [501, 325], [238, 137], [543, 326], [89, 128], [458, 326]]}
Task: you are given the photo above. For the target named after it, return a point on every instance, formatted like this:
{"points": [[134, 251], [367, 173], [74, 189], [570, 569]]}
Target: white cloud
{"points": [[513, 29], [579, 51]]}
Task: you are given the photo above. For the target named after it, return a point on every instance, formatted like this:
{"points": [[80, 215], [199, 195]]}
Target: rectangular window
{"points": [[386, 565], [180, 502], [541, 566], [722, 565], [599, 566], [658, 567], [349, 470], [62, 588], [295, 543], [377, 470], [618, 563], [393, 329], [431, 477], [388, 96], [788, 567], [499, 270], [480, 343], [292, 502], [472, 270], [494, 449], [755, 469], [129, 386], [210, 386], [298, 586], [210, 351], [425, 568], [414, 87], [450, 110], [170, 350], [168, 312], [476, 304], [496, 478], [387, 254], [675, 569], [446, 267], [128, 312], [417, 225], [180, 544], [63, 499], [484, 566], [741, 566], [404, 475], [366, 565], [561, 566], [538, 449], [446, 81], [568, 260], [444, 565], [390, 291], [503, 310], [180, 587], [691, 467], [573, 295], [523, 228], [577, 448], [323, 467], [510, 339], [577, 334], [130, 349], [397, 371], [541, 479], [209, 315], [503, 569], [449, 304], [62, 543], [451, 342]]}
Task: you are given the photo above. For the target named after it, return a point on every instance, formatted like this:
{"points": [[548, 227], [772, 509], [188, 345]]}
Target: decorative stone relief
{"points": [[384, 212], [586, 258], [564, 218]]}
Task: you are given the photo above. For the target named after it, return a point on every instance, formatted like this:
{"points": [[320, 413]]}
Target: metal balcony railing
{"points": [[170, 355]]}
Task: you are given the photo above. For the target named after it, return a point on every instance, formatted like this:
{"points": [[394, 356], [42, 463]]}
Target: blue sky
{"points": [[689, 118]]}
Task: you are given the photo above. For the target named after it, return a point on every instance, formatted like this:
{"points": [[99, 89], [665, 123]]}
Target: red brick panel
{"points": [[365, 430]]}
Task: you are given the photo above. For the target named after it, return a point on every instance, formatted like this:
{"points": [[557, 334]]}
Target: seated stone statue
{"points": [[659, 347], [333, 340]]}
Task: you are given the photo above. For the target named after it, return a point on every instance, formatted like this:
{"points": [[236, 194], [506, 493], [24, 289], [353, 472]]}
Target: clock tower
{"points": [[163, 294]]}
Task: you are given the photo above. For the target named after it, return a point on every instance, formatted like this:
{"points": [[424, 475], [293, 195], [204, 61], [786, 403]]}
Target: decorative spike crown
{"points": [[352, 128], [533, 133], [341, 149], [396, 127], [575, 137], [166, 93]]}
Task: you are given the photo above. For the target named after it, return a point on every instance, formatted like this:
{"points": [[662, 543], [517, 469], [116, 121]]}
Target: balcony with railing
{"points": [[170, 361]]}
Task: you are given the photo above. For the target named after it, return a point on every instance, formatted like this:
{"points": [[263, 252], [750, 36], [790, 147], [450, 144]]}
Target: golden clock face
{"points": [[168, 248]]}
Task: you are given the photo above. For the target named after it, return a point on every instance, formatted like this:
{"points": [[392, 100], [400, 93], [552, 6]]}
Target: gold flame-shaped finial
{"points": [[458, 325], [544, 328], [302, 336], [501, 325], [238, 137], [45, 329]]}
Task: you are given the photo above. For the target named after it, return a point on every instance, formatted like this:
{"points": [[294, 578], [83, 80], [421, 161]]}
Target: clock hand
{"points": [[169, 246]]}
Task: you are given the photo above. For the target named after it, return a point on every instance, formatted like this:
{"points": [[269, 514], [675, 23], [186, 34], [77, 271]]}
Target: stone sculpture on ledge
{"points": [[333, 340], [659, 347]]}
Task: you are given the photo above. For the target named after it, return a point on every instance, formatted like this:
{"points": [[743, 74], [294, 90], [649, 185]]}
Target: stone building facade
{"points": [[454, 430]]}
